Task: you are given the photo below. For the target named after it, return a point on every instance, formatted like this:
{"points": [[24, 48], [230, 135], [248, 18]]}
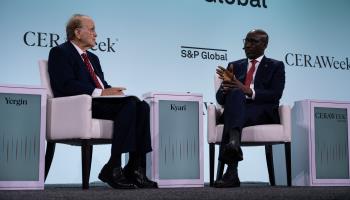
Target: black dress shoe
{"points": [[229, 179], [115, 178], [139, 178]]}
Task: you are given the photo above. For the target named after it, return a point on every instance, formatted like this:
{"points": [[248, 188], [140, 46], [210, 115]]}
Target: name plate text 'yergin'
{"points": [[17, 102], [19, 137]]}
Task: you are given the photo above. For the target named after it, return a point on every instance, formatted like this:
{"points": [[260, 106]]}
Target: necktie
{"points": [[250, 73], [91, 70]]}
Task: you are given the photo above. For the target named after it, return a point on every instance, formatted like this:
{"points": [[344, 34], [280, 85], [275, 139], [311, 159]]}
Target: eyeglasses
{"points": [[251, 40]]}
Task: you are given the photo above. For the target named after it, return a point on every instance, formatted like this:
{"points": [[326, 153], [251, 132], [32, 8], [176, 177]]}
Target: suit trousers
{"points": [[240, 112], [131, 118]]}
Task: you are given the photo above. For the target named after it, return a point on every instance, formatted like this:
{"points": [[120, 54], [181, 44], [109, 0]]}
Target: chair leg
{"points": [[220, 170], [86, 154], [269, 161], [221, 167], [50, 151], [211, 163], [287, 151]]}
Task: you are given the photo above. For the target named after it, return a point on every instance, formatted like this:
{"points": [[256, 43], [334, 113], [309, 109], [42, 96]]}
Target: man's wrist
{"points": [[248, 91], [97, 92]]}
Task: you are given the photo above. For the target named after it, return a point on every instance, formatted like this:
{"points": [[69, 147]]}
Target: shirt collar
{"points": [[77, 48], [257, 59]]}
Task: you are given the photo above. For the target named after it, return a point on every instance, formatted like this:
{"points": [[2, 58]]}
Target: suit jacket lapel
{"points": [[92, 61], [81, 62], [81, 65], [242, 70], [260, 71], [76, 55]]}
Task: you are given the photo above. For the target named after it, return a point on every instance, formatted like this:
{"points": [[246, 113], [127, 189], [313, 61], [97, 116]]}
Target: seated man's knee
{"points": [[233, 98], [144, 106], [131, 103], [235, 92]]}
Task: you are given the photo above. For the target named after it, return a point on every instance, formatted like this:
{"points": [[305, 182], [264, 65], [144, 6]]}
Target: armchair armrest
{"points": [[211, 123], [285, 118], [69, 117]]}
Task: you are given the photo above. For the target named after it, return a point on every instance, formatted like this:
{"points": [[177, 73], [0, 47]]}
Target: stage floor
{"points": [[247, 191]]}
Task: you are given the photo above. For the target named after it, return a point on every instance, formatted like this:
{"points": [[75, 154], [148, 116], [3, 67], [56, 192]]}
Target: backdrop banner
{"points": [[175, 46]]}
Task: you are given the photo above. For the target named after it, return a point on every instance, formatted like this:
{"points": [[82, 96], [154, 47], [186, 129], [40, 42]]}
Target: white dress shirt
{"points": [[256, 69]]}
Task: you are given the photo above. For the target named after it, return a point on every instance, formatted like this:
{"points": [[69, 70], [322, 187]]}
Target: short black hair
{"points": [[262, 32]]}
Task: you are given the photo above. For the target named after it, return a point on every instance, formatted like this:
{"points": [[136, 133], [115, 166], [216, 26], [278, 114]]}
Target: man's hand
{"points": [[235, 83], [113, 91], [229, 80], [224, 74]]}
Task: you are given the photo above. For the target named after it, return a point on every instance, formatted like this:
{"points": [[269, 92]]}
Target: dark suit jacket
{"points": [[269, 83], [68, 73]]}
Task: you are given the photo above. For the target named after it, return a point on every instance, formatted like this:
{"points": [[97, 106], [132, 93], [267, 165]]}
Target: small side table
{"points": [[22, 137], [177, 139], [320, 143]]}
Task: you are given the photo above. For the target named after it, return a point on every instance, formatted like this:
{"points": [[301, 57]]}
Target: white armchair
{"points": [[258, 135], [69, 121]]}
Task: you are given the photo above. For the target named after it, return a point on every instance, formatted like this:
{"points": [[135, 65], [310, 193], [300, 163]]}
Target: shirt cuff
{"points": [[97, 92], [253, 93]]}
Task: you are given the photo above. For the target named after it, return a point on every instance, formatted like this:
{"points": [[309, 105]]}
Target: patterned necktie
{"points": [[250, 73], [91, 70]]}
